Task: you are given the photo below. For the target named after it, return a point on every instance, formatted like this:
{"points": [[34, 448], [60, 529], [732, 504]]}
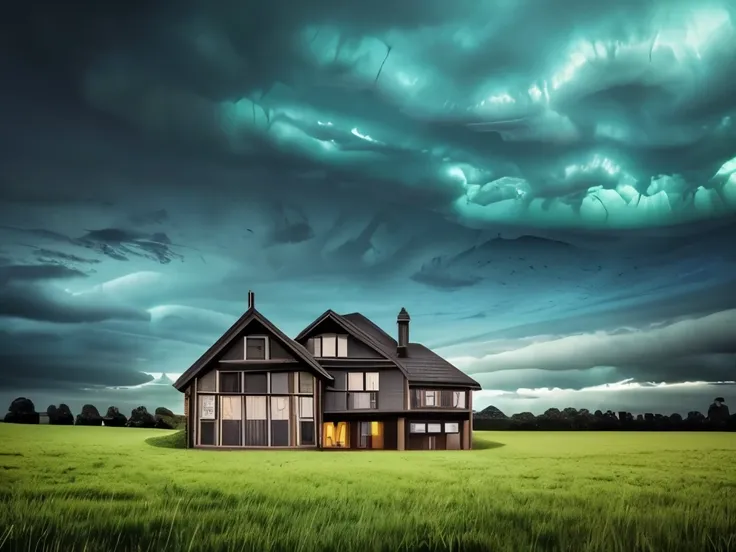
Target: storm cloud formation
{"points": [[552, 198]]}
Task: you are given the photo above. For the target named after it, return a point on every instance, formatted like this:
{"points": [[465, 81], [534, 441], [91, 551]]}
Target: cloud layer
{"points": [[556, 212]]}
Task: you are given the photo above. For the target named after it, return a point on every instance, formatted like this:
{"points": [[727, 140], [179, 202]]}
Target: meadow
{"points": [[116, 489]]}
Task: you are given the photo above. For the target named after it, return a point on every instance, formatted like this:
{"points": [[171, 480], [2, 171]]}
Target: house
{"points": [[342, 383]]}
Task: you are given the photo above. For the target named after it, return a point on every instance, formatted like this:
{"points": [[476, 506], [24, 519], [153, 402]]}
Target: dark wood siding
{"points": [[335, 401], [341, 381], [391, 390], [358, 349], [236, 351], [278, 351]]}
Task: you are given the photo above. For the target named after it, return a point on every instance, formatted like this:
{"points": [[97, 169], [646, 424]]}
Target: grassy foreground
{"points": [[117, 489]]}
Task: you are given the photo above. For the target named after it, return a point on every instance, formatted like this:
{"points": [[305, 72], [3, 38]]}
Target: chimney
{"points": [[251, 300], [402, 320]]}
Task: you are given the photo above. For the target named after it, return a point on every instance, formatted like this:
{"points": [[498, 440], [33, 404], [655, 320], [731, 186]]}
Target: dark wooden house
{"points": [[342, 383]]}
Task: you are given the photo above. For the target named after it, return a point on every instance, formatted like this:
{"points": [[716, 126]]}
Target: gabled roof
{"points": [[233, 333], [357, 332], [421, 365]]}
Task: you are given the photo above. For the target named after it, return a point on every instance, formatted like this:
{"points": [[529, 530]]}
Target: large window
{"points": [[256, 383], [230, 382], [280, 383], [306, 382], [436, 398], [207, 415], [280, 421], [329, 346], [256, 348], [232, 421], [256, 421], [363, 381], [363, 401]]}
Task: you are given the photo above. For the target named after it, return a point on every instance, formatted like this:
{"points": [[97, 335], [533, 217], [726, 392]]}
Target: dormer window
{"points": [[256, 348], [329, 346]]}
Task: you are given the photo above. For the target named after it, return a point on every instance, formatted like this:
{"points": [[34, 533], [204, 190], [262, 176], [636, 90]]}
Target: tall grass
{"points": [[107, 489]]}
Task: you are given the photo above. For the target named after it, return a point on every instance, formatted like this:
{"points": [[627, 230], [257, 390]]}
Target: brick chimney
{"points": [[402, 320], [251, 300]]}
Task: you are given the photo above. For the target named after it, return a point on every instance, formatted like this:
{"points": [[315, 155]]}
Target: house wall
{"points": [[390, 395]]}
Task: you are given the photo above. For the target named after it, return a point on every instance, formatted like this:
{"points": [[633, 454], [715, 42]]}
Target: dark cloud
{"points": [[553, 206]]}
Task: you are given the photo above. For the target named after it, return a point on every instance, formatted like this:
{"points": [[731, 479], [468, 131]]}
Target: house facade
{"points": [[342, 383]]}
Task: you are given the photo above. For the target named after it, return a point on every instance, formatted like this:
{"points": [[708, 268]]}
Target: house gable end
{"points": [[231, 346], [363, 344]]}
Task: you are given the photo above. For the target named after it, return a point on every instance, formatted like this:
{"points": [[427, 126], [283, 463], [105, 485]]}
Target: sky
{"points": [[550, 192]]}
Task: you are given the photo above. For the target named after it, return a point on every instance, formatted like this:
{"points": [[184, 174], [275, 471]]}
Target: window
{"points": [[230, 382], [434, 428], [328, 346], [306, 382], [280, 383], [360, 401], [342, 346], [306, 430], [256, 428], [417, 428], [255, 408], [208, 433], [207, 407], [371, 381], [207, 382], [256, 348], [280, 421], [232, 421], [452, 427], [355, 381], [438, 398], [360, 381], [256, 383], [306, 407]]}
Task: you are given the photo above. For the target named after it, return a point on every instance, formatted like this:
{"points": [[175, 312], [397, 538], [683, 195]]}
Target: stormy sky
{"points": [[548, 188]]}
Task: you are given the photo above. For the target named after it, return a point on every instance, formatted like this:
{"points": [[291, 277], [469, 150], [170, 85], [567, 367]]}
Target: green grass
{"points": [[114, 489]]}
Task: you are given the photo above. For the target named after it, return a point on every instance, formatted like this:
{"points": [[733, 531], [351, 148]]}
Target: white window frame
{"points": [[322, 341], [200, 406], [427, 395], [434, 428], [306, 408], [351, 377], [267, 347], [341, 346], [375, 380], [458, 399], [452, 427], [241, 379], [417, 427]]}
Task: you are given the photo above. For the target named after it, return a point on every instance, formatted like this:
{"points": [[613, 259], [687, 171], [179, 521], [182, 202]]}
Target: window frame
{"points": [[241, 379], [317, 342], [266, 348]]}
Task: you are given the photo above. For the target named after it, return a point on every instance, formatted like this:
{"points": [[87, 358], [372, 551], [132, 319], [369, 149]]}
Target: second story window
{"points": [[329, 346], [363, 390], [436, 398]]}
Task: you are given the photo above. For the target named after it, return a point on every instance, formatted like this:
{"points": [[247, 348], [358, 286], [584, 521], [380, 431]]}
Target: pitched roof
{"points": [[356, 331], [421, 364], [230, 335]]}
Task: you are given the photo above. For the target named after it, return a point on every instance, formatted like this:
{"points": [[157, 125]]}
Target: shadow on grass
{"points": [[176, 440], [482, 444]]}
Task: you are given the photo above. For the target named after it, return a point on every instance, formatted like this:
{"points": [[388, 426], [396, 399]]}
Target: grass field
{"points": [[105, 489]]}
